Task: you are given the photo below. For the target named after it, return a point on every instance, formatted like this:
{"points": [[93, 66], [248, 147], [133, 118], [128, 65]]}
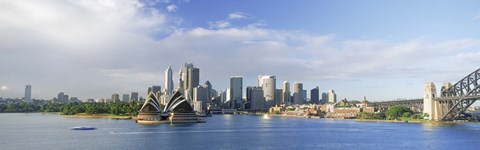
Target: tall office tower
{"points": [[304, 96], [223, 99], [315, 95], [268, 84], [213, 93], [332, 97], [115, 97], [255, 98], [156, 89], [125, 98], [297, 93], [278, 97], [286, 93], [65, 98], [193, 78], [181, 79], [324, 98], [28, 93], [168, 81], [228, 98], [134, 97], [60, 97], [189, 79], [209, 89], [200, 99], [236, 86]]}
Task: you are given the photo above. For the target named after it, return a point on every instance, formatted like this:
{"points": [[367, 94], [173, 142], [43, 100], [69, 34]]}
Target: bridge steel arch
{"points": [[461, 95]]}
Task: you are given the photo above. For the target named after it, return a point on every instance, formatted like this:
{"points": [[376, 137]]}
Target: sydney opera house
{"points": [[177, 110]]}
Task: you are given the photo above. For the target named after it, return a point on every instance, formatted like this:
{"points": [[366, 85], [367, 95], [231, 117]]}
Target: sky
{"points": [[94, 48]]}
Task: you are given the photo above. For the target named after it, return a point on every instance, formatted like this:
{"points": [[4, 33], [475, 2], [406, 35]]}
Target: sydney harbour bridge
{"points": [[452, 101]]}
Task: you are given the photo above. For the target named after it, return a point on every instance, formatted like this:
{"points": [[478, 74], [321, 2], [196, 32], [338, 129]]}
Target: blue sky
{"points": [[91, 49]]}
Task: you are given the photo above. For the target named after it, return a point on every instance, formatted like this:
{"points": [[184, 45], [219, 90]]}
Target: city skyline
{"points": [[376, 49]]}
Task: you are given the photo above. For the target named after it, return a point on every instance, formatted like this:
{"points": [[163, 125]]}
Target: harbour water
{"points": [[51, 131]]}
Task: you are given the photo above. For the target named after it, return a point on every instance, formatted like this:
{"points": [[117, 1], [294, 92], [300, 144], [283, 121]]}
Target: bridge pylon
{"points": [[429, 104]]}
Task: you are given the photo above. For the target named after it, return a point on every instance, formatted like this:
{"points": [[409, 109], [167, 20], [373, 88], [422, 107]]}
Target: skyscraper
{"points": [[332, 97], [210, 93], [65, 98], [286, 92], [193, 78], [125, 98], [134, 96], [168, 81], [200, 99], [28, 93], [255, 98], [297, 93], [236, 87], [278, 97], [115, 97], [189, 79], [156, 89], [268, 84], [315, 95], [60, 97], [324, 98]]}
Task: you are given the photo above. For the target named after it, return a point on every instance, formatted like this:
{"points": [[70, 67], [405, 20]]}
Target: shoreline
{"points": [[108, 116]]}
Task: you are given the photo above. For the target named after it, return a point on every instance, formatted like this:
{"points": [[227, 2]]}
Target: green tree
{"points": [[397, 111], [406, 114]]}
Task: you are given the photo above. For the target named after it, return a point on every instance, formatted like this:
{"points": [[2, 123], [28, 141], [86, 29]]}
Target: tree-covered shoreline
{"points": [[71, 108]]}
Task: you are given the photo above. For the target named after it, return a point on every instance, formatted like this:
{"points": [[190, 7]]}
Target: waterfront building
{"points": [[208, 85], [324, 98], [134, 97], [278, 97], [332, 96], [115, 97], [286, 93], [297, 93], [28, 93], [255, 98], [168, 81], [268, 84], [236, 86], [304, 96], [315, 95], [177, 110], [200, 99], [60, 97], [125, 97], [223, 99]]}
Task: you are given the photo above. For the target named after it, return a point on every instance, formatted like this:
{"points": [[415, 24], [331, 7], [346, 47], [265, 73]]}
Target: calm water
{"points": [[50, 131]]}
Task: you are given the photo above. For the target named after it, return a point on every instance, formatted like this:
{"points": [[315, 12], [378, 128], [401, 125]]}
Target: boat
{"points": [[83, 128]]}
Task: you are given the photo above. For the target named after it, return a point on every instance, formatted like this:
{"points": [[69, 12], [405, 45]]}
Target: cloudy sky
{"points": [[93, 48]]}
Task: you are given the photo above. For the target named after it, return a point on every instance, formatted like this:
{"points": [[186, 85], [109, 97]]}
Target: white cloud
{"points": [[238, 15], [219, 24], [3, 88], [172, 8]]}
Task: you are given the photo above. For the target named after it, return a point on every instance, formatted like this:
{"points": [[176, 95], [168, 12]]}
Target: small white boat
{"points": [[83, 128]]}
